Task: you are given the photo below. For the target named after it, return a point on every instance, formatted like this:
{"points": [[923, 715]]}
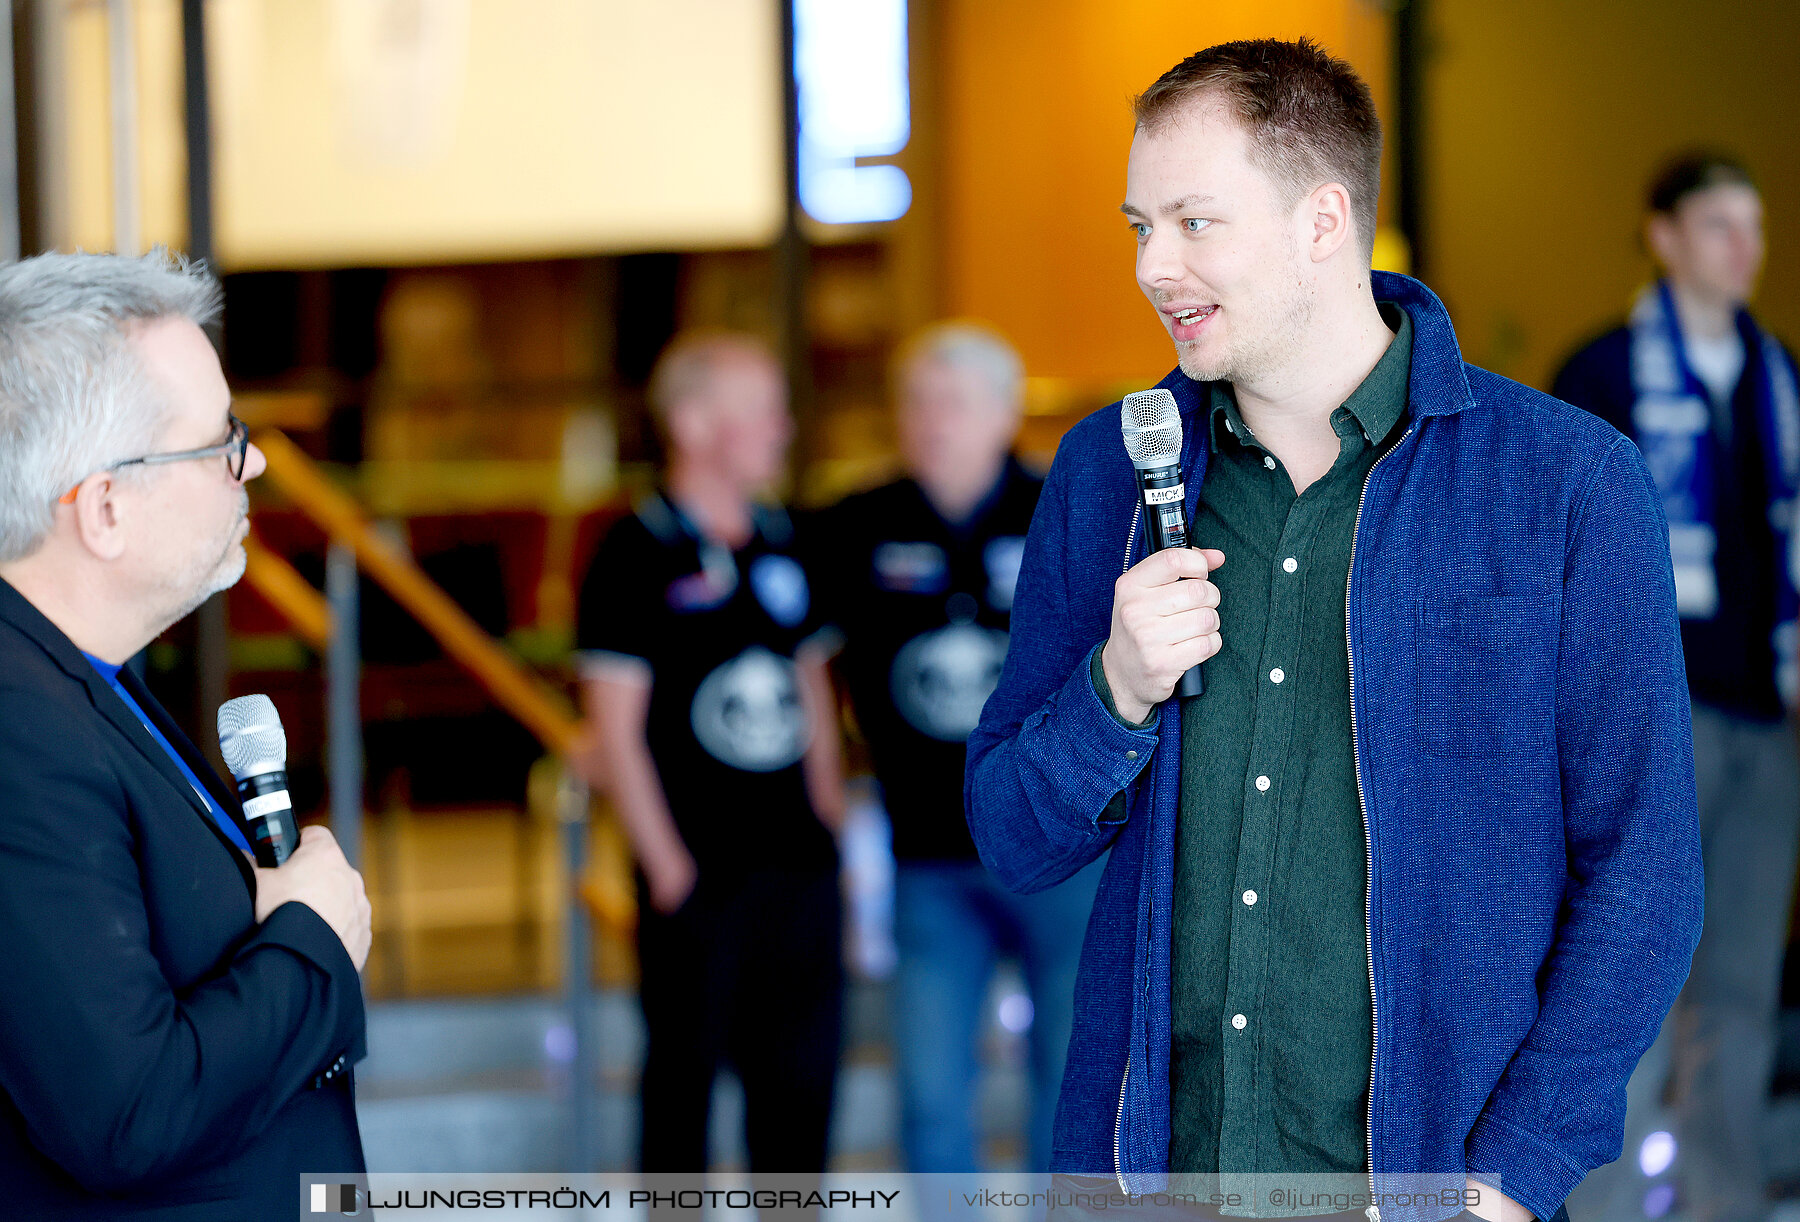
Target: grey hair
{"points": [[689, 361], [73, 395], [963, 344]]}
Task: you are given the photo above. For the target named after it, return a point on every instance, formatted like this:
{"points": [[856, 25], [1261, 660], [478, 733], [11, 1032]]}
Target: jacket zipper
{"points": [[1368, 862], [1119, 1120], [1373, 1212], [1119, 1131]]}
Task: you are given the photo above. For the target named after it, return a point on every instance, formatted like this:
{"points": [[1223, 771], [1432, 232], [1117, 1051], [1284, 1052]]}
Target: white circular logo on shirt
{"points": [[747, 713], [942, 678]]}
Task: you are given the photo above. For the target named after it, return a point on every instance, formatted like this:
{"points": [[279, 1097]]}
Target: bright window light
{"points": [[850, 63]]}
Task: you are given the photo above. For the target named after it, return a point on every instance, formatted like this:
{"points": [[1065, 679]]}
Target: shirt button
{"points": [[1289, 565], [1268, 462], [1131, 755], [1250, 898], [1239, 1021], [1277, 675], [1262, 783]]}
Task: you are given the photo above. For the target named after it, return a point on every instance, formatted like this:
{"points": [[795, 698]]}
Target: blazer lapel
{"points": [[17, 610], [190, 754]]}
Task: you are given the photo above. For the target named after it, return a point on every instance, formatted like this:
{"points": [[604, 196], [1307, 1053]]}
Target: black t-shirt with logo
{"points": [[924, 606], [716, 631]]}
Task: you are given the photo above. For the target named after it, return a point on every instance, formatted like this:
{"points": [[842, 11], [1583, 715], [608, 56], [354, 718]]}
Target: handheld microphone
{"points": [[1152, 426], [255, 749]]}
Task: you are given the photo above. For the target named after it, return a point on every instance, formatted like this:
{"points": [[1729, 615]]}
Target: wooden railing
{"points": [[602, 886], [289, 593], [525, 697]]}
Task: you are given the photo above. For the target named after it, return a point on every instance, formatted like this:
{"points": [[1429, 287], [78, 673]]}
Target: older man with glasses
{"points": [[176, 1023], [235, 450]]}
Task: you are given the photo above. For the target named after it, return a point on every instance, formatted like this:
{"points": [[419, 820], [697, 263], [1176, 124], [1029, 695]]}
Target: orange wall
{"points": [[1547, 118], [1033, 104]]}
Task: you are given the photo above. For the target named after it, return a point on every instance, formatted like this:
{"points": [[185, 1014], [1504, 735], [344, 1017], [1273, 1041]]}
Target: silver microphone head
{"points": [[1152, 426], [250, 736]]}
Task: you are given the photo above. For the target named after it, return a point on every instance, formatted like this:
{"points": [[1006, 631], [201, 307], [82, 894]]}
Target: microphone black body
{"points": [[268, 816], [255, 750], [1165, 516]]}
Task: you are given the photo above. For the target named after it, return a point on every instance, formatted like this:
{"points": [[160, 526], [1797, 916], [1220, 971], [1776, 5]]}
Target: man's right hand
{"points": [[671, 881], [317, 875], [1165, 619]]}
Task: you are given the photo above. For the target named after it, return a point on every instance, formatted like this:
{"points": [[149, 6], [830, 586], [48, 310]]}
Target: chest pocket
{"points": [[1486, 675]]}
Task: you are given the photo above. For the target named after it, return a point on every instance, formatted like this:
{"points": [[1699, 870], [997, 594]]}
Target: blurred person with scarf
{"points": [[1710, 398]]}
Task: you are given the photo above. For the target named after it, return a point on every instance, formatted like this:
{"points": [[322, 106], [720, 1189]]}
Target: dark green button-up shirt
{"points": [[1271, 1006]]}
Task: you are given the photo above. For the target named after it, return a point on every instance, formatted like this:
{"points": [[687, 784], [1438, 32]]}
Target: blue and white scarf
{"points": [[1672, 418]]}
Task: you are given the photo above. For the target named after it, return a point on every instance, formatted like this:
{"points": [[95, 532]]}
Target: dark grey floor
{"points": [[484, 1086]]}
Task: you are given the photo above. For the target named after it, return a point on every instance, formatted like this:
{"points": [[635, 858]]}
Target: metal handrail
{"points": [[528, 699], [331, 621]]}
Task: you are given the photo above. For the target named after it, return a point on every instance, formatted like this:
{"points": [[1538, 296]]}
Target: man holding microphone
{"points": [[1408, 889], [177, 1025]]}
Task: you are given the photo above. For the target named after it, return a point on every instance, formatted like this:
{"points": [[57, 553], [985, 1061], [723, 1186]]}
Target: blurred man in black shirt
{"points": [[710, 709], [919, 576]]}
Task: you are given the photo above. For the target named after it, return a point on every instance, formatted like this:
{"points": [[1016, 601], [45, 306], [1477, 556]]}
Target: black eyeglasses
{"points": [[234, 449]]}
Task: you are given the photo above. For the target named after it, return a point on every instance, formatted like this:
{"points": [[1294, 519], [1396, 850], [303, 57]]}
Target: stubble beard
{"points": [[1221, 369], [1268, 349], [199, 581]]}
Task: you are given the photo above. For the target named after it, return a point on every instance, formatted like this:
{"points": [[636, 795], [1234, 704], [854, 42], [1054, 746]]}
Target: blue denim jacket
{"points": [[1520, 717]]}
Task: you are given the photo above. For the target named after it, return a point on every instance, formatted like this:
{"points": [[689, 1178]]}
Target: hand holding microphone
{"points": [[301, 866], [1165, 622], [1165, 619], [317, 875]]}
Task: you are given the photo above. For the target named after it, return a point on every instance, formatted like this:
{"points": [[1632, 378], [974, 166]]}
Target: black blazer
{"points": [[161, 1054]]}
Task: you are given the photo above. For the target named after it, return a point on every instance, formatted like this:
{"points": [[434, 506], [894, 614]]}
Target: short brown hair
{"points": [[1310, 117], [1691, 172]]}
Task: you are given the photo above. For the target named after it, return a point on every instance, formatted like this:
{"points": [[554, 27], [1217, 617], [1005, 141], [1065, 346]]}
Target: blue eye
{"points": [[1194, 224], [1141, 229]]}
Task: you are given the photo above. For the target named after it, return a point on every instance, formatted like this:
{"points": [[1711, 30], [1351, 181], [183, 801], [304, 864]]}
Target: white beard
{"points": [[203, 577]]}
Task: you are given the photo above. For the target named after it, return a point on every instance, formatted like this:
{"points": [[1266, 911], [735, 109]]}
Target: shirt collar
{"points": [[108, 670], [1377, 404], [968, 524], [663, 516]]}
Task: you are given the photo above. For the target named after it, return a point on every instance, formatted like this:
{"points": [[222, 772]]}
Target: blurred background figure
{"points": [[920, 575], [454, 237], [1710, 398], [713, 718]]}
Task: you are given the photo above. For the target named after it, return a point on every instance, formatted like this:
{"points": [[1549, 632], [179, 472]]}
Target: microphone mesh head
{"points": [[250, 736], [1152, 427]]}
